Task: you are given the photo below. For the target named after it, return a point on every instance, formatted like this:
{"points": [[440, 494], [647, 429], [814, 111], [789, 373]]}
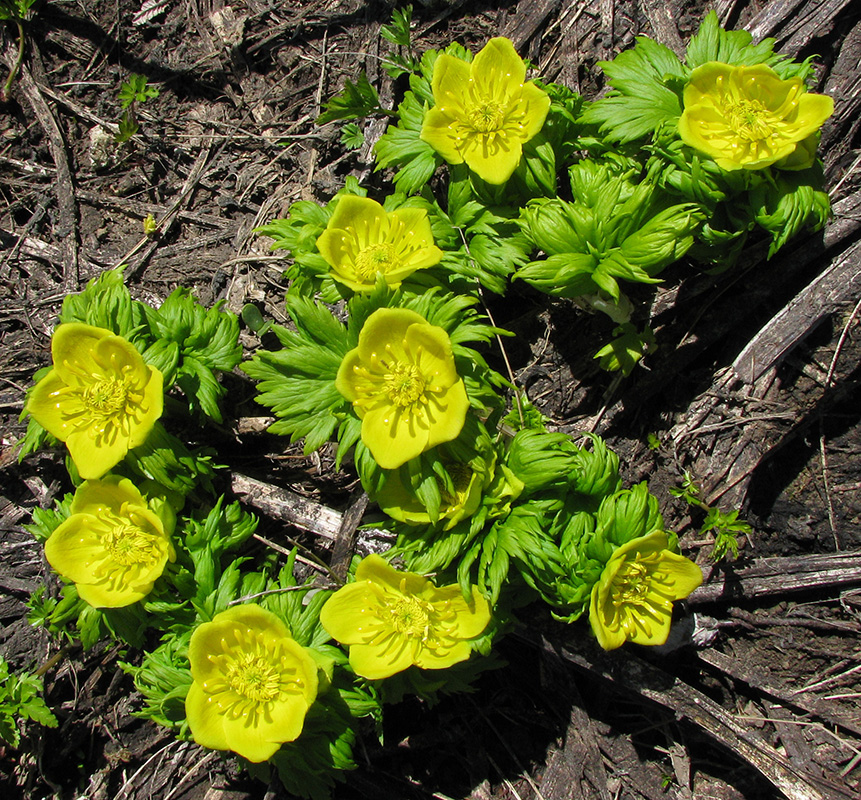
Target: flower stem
{"points": [[7, 87]]}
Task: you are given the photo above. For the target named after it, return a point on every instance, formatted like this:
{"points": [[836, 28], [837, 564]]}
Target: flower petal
{"points": [[470, 618], [495, 161], [205, 719], [48, 405], [258, 737], [497, 70], [384, 329], [450, 84], [447, 410], [443, 658], [376, 661], [94, 458], [394, 435], [350, 615]]}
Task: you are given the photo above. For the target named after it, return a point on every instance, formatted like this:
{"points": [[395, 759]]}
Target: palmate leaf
{"points": [[402, 147], [646, 82], [712, 43], [356, 100], [298, 382]]}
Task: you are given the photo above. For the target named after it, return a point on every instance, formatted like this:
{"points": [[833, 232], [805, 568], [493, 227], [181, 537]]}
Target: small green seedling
{"points": [[726, 527], [21, 698], [133, 92]]}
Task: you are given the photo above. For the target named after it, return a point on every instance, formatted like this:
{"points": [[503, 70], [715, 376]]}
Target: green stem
{"points": [[7, 87]]}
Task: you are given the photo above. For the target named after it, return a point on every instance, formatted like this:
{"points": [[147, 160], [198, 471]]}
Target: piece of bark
{"points": [[663, 21], [631, 674], [530, 16], [795, 22], [345, 539], [782, 575], [836, 288], [66, 227], [280, 503]]}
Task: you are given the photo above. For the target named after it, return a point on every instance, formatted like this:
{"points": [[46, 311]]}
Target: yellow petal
{"points": [[48, 405], [394, 435], [109, 493], [532, 108], [258, 738], [377, 661], [376, 569], [72, 346], [443, 658], [442, 131], [470, 618], [495, 161], [386, 327], [75, 549], [205, 719], [94, 458], [364, 217], [99, 595], [497, 70], [447, 413], [152, 407], [450, 84], [351, 615]]}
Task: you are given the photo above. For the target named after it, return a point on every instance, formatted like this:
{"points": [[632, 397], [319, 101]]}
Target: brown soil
{"points": [[229, 144]]}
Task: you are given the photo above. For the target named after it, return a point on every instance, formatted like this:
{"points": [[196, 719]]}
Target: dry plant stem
{"points": [[749, 676], [630, 674], [67, 227], [826, 294], [822, 450]]}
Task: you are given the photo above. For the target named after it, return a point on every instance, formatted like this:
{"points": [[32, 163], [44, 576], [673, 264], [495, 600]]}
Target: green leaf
{"points": [[136, 90], [401, 146], [646, 82], [356, 100], [105, 303], [712, 43], [398, 31], [352, 137]]}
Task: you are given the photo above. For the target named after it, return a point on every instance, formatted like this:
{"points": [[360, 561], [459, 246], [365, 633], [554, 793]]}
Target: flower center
{"points": [[254, 677], [410, 617], [106, 397], [631, 584], [404, 384], [487, 117], [128, 543], [376, 258], [749, 119]]}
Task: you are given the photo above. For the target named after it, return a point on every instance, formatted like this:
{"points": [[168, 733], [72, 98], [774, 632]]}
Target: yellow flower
{"points": [[100, 398], [403, 385], [748, 118], [253, 683], [484, 112], [468, 485], [113, 546], [392, 620], [633, 598], [363, 241]]}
